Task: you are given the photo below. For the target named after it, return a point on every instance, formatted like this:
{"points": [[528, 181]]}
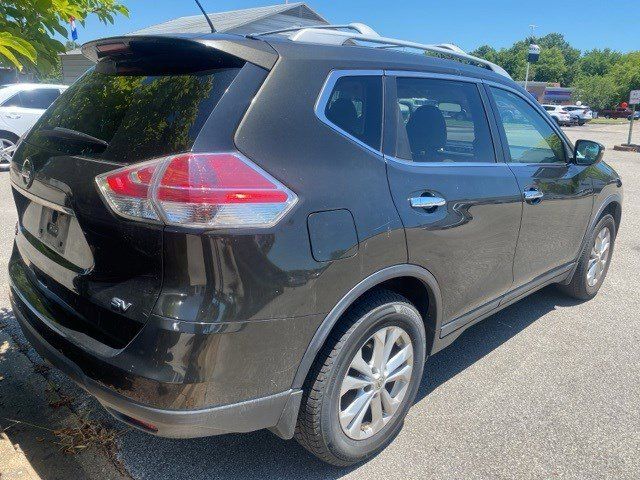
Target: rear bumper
{"points": [[247, 416], [185, 379]]}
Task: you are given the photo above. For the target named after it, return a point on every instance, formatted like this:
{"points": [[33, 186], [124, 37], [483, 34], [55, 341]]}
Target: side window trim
{"points": [[390, 119], [538, 108], [325, 95]]}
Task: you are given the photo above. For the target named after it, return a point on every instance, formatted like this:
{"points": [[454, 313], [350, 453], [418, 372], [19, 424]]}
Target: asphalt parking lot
{"points": [[546, 388]]}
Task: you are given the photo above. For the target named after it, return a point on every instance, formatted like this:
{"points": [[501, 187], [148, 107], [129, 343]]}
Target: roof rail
{"points": [[335, 35], [358, 27]]}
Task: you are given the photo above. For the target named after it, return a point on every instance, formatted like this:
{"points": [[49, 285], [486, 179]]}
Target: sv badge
{"points": [[120, 305]]}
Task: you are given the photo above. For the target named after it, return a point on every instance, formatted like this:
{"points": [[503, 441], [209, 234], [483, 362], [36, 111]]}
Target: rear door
{"points": [[558, 194], [460, 204]]}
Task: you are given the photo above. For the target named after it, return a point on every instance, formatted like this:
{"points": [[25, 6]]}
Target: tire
{"points": [[581, 285], [319, 428]]}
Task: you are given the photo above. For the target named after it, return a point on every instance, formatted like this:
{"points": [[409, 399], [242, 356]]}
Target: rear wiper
{"points": [[68, 134]]}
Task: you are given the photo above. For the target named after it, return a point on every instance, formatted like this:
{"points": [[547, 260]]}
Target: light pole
{"points": [[533, 55]]}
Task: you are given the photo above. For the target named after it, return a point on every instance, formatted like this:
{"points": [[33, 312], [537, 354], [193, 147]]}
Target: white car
{"points": [[583, 112], [21, 105], [560, 115]]}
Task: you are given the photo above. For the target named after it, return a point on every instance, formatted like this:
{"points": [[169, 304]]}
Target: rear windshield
{"points": [[138, 116]]}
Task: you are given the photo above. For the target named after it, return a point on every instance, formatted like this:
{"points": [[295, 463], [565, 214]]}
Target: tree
{"points": [[487, 52], [551, 40], [625, 74], [597, 91], [514, 60], [570, 54], [551, 66], [27, 28], [597, 62]]}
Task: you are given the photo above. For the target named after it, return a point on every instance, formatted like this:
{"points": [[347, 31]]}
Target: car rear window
{"points": [[139, 116]]}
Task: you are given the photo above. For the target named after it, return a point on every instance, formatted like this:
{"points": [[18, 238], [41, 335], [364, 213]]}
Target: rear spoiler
{"points": [[229, 47]]}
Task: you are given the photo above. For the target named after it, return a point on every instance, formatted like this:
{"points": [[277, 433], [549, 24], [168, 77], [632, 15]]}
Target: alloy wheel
{"points": [[599, 256], [376, 382], [7, 147]]}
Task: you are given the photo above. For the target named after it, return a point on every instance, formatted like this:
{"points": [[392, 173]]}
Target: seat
{"points": [[343, 113], [427, 132]]}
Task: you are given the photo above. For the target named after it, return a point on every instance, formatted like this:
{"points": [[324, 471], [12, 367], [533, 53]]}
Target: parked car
{"points": [[215, 235], [636, 116], [560, 115], [618, 112], [583, 113], [21, 105]]}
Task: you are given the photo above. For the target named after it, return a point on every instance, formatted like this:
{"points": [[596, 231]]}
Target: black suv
{"points": [[223, 233]]}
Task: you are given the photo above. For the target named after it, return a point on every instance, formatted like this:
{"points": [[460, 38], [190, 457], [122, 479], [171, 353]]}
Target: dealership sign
{"points": [[634, 97], [534, 53]]}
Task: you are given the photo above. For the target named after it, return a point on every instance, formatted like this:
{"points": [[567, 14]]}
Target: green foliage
{"points": [[620, 74], [551, 65], [557, 58], [597, 62], [161, 110], [487, 52], [625, 74], [27, 28], [556, 40], [597, 91], [602, 78]]}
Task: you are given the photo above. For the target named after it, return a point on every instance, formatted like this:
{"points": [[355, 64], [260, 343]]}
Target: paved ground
{"points": [[547, 388]]}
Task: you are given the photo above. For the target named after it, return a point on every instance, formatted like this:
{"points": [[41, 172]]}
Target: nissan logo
{"points": [[26, 172]]}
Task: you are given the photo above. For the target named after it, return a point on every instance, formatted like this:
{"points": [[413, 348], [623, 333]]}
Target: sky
{"points": [[586, 24]]}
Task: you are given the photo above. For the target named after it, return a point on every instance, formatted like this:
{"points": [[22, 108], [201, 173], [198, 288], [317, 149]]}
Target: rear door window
{"points": [[355, 108], [441, 121], [139, 116]]}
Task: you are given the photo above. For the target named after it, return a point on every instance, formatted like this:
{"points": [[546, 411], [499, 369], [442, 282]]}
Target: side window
{"points": [[531, 139], [40, 98], [442, 121], [12, 101], [355, 106]]}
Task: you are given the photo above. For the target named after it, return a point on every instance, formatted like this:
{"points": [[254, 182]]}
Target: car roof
{"points": [[31, 86]]}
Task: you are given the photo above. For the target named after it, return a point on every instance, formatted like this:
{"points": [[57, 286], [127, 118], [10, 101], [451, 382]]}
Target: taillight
{"points": [[219, 190], [127, 191]]}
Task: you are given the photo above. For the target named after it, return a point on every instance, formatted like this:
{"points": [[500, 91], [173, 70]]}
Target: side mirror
{"points": [[587, 152]]}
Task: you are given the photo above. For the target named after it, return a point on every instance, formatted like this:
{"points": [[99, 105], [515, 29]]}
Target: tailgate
{"points": [[96, 273]]}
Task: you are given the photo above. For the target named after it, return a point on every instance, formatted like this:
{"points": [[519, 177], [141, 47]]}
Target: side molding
{"points": [[396, 271]]}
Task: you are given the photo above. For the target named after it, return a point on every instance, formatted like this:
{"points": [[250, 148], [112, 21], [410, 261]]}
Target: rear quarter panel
{"points": [[327, 171]]}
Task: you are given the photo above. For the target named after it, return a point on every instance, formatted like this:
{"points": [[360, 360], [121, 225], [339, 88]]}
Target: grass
{"points": [[608, 121]]}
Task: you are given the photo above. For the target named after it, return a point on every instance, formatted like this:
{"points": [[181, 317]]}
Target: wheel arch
{"points": [[612, 204], [415, 283], [613, 207], [11, 134]]}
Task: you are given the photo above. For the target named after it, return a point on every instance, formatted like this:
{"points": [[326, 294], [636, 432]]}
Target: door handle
{"points": [[533, 195], [427, 202]]}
